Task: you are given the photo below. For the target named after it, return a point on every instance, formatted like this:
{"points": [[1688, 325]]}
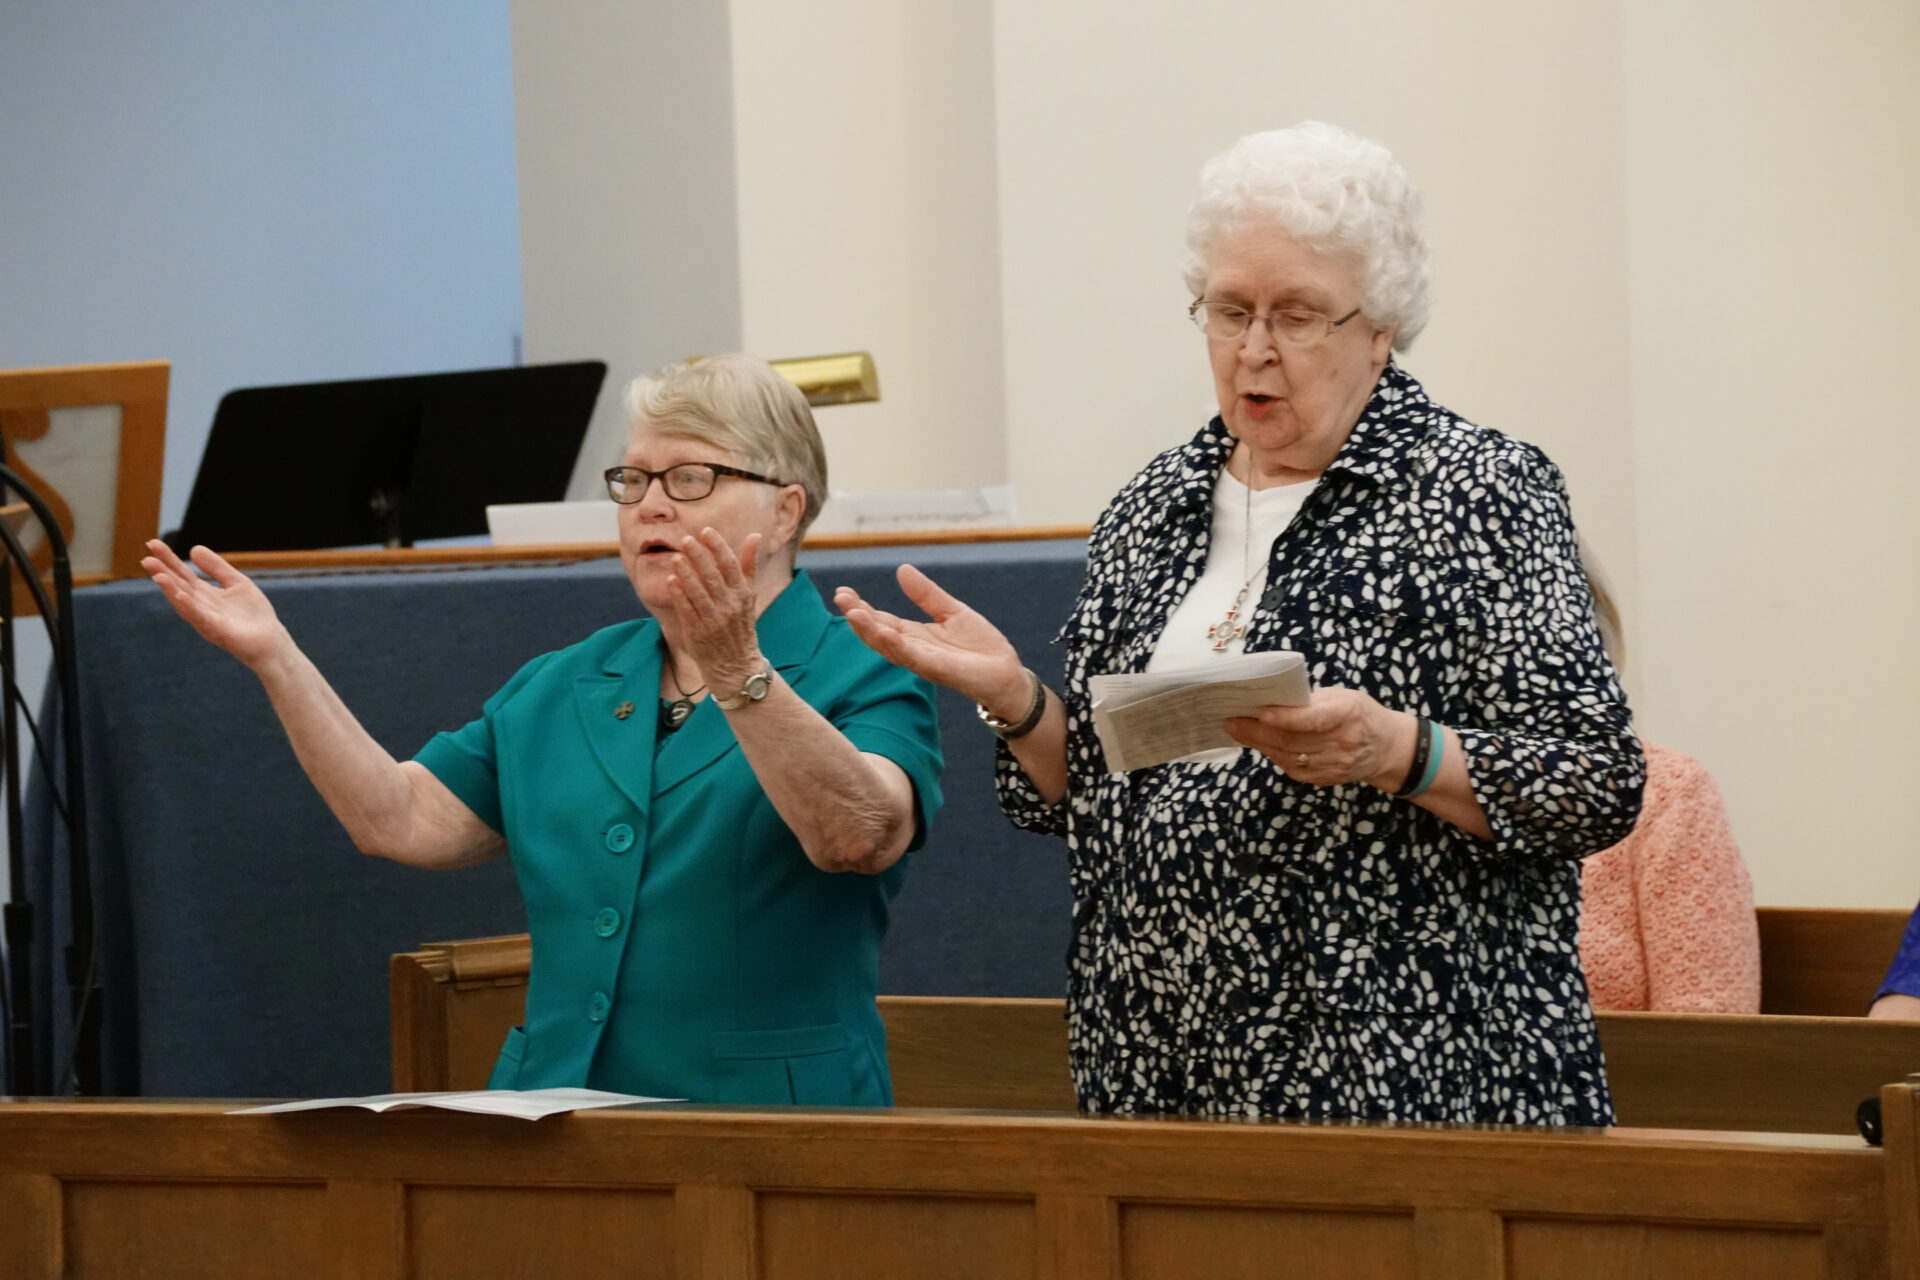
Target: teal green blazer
{"points": [[683, 946]]}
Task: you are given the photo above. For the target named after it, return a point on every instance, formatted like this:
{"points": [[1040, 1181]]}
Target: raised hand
{"points": [[717, 602], [955, 647], [229, 611]]}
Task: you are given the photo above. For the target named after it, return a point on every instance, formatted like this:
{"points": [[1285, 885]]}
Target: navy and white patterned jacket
{"points": [[1246, 944]]}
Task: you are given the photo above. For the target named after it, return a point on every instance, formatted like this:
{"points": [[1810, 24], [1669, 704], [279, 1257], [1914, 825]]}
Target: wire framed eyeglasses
{"points": [[682, 482]]}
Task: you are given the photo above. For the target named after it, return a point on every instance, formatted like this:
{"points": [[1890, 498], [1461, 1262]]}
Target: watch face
{"points": [[757, 684]]}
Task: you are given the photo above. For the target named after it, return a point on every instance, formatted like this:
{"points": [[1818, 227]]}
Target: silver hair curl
{"points": [[1333, 191]]}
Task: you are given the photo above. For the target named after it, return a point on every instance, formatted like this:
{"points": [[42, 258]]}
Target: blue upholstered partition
{"points": [[246, 941]]}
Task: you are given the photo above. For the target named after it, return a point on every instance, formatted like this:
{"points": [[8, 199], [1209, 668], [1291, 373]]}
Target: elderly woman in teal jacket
{"points": [[682, 795]]}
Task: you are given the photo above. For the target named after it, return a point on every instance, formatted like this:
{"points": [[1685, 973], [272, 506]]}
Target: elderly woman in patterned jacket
{"points": [[1371, 909]]}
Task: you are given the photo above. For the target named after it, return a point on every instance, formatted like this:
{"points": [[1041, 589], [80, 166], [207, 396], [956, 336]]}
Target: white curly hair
{"points": [[1333, 191]]}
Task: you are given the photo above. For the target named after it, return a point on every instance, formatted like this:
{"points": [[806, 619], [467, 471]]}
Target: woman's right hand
{"points": [[230, 611], [956, 647]]}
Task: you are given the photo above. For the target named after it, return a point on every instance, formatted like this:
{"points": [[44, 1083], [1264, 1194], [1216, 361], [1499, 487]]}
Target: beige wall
{"points": [[865, 148], [1508, 118], [1773, 197], [629, 250]]}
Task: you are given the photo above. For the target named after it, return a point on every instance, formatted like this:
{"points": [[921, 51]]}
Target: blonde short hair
{"points": [[1606, 614], [738, 403]]}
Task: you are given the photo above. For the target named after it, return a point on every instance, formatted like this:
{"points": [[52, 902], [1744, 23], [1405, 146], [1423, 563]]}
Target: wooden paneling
{"points": [[885, 1237], [1573, 1251], [1167, 1242], [714, 1231], [1825, 962], [157, 1189], [1460, 1244], [178, 1230], [30, 1214], [369, 1225], [1077, 1236], [510, 1233]]}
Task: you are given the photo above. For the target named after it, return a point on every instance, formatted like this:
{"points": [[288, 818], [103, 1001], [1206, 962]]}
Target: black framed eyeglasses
{"points": [[1293, 327], [682, 482]]}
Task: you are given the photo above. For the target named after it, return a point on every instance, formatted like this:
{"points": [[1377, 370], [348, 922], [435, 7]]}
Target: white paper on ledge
{"points": [[523, 524], [525, 1104], [989, 507]]}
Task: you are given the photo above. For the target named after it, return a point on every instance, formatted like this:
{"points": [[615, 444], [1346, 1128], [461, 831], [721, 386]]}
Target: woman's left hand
{"points": [[1340, 735], [716, 597]]}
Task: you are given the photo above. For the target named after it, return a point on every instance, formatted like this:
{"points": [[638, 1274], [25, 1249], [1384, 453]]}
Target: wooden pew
{"points": [[1825, 961], [453, 1003], [102, 1189]]}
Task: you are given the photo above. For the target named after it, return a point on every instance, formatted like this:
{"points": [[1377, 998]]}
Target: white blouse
{"points": [[1234, 556]]}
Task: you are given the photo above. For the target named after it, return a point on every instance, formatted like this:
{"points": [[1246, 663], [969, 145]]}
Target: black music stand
{"points": [[385, 461], [83, 1067]]}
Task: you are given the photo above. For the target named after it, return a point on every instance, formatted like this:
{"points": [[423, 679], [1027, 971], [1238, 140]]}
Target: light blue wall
{"points": [[260, 191]]}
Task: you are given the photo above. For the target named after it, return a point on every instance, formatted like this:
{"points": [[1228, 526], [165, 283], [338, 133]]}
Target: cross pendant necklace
{"points": [[1231, 628]]}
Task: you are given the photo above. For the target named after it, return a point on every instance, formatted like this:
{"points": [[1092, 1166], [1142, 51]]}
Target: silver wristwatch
{"points": [[754, 690]]}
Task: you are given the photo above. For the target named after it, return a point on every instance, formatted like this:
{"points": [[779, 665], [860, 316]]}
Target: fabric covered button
{"points": [[620, 837], [607, 923], [598, 1006]]}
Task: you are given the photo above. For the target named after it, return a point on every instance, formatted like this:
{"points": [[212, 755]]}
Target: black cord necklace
{"points": [[674, 712]]}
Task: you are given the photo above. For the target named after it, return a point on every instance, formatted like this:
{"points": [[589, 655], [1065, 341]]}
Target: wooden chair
{"points": [[99, 473]]}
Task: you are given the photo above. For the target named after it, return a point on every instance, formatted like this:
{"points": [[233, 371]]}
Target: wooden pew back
{"points": [[453, 1004], [1825, 961]]}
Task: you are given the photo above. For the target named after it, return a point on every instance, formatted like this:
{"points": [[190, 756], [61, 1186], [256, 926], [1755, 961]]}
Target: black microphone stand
{"points": [[23, 1076], [68, 801]]}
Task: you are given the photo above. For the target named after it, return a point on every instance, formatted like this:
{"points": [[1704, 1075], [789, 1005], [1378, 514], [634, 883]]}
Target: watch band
{"points": [[1020, 728], [754, 690]]}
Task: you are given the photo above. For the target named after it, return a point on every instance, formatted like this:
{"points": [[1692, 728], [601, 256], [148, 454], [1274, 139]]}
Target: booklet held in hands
{"points": [[1144, 720]]}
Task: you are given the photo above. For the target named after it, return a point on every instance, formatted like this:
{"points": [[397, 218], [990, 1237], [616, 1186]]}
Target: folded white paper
{"points": [[525, 1104], [1144, 720]]}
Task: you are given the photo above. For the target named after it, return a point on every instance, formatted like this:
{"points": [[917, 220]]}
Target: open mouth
{"points": [[657, 547], [1257, 398]]}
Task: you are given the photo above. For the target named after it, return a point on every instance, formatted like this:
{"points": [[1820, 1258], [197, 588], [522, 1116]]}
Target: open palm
{"points": [[229, 611], [955, 646]]}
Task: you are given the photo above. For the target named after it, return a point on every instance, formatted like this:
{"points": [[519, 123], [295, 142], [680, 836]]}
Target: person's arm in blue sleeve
{"points": [[1900, 992]]}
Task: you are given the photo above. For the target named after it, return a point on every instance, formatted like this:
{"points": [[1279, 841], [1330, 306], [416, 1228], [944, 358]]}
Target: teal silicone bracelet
{"points": [[1437, 738]]}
